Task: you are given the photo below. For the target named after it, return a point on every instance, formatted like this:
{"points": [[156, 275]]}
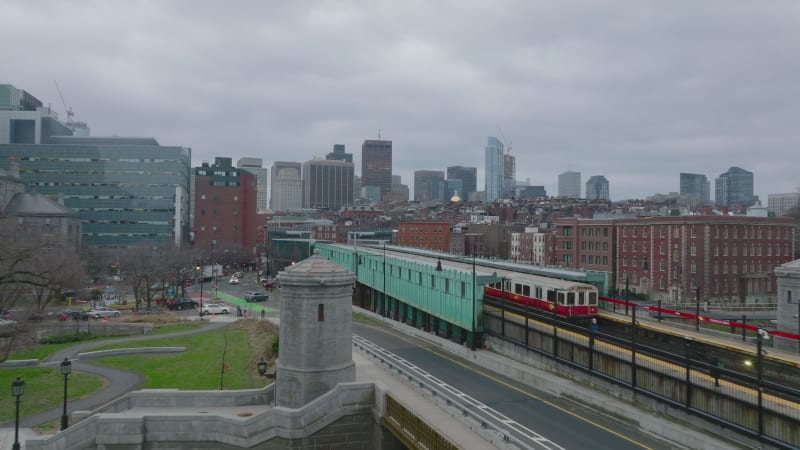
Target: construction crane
{"points": [[68, 109], [506, 142]]}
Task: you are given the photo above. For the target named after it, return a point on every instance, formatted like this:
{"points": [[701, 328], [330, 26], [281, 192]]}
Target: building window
{"points": [[567, 231], [694, 232], [320, 312], [694, 250], [605, 260], [693, 268]]}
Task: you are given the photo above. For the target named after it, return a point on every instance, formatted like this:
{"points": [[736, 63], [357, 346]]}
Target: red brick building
{"points": [[225, 217], [428, 235], [729, 258]]}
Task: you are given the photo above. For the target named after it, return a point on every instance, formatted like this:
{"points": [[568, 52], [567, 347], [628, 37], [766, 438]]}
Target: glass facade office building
{"points": [[127, 191]]}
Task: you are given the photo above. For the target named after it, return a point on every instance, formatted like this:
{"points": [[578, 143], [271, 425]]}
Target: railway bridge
{"points": [[448, 299]]}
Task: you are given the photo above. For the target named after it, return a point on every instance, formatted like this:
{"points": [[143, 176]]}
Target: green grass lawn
{"points": [[224, 357], [43, 351], [44, 389], [199, 367]]}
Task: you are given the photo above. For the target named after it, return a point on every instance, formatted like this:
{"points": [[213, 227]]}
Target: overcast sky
{"points": [[638, 91]]}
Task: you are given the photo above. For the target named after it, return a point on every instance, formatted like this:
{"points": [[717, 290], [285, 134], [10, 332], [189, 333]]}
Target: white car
{"points": [[103, 311], [214, 308], [233, 280]]}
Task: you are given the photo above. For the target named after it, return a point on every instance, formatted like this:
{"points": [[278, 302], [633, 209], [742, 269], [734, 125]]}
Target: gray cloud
{"points": [[637, 91]]}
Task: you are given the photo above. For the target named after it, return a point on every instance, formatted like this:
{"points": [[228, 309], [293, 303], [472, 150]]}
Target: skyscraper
{"points": [[695, 189], [597, 188], [735, 187], [287, 186], [327, 184], [376, 164], [569, 184], [509, 174], [338, 154], [495, 169], [428, 185], [468, 177], [254, 166]]}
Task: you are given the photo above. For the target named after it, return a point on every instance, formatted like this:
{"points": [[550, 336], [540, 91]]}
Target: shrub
{"points": [[67, 338]]}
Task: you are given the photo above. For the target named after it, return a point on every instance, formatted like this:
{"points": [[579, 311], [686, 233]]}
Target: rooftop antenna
{"points": [[68, 109]]}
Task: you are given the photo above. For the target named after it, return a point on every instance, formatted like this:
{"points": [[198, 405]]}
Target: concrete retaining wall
{"points": [[343, 418]]}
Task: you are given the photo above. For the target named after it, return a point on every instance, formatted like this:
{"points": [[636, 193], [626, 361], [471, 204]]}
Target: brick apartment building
{"points": [[225, 216], [428, 235], [730, 259]]}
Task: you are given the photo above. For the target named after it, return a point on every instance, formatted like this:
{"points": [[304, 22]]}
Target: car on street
{"points": [[73, 314], [237, 275], [269, 283], [255, 297], [214, 308], [7, 322], [182, 303], [233, 280], [103, 311]]}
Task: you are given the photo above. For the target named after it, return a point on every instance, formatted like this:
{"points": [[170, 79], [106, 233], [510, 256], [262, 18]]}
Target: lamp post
{"points": [[200, 271], [697, 308], [762, 335], [474, 280], [626, 294], [262, 367], [17, 389], [66, 369]]}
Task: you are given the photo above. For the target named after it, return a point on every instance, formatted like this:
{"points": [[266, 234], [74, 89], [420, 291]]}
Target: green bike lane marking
{"points": [[242, 302]]}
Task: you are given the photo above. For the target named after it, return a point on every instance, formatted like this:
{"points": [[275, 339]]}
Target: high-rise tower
{"points": [[597, 188], [569, 184], [287, 186], [376, 164], [468, 177], [495, 169], [735, 187]]}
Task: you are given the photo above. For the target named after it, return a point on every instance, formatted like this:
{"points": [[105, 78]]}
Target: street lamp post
{"points": [[17, 389], [66, 369], [200, 271], [762, 335]]}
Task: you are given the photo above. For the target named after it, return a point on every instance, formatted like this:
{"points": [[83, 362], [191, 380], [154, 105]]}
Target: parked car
{"points": [[182, 303], [255, 297], [74, 314], [233, 280], [7, 322], [214, 308], [103, 311]]}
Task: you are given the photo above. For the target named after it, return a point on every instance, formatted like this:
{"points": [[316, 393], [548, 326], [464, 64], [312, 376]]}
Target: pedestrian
{"points": [[238, 311], [595, 326], [263, 314]]}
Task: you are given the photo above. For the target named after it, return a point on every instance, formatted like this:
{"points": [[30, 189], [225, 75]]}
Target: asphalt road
{"points": [[570, 424]]}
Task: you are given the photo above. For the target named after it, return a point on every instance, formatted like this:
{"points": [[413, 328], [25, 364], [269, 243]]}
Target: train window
{"points": [[551, 295], [592, 298], [570, 298], [463, 290], [526, 291], [580, 299], [561, 298], [517, 288], [538, 292], [446, 285]]}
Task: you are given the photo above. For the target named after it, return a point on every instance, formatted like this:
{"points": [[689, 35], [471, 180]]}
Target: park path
{"points": [[118, 382]]}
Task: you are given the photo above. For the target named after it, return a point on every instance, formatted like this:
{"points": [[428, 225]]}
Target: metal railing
{"points": [[506, 430]]}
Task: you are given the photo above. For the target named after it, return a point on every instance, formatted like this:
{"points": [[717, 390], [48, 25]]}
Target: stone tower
{"points": [[316, 337]]}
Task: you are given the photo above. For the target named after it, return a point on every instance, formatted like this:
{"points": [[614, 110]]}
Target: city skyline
{"points": [[637, 92]]}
